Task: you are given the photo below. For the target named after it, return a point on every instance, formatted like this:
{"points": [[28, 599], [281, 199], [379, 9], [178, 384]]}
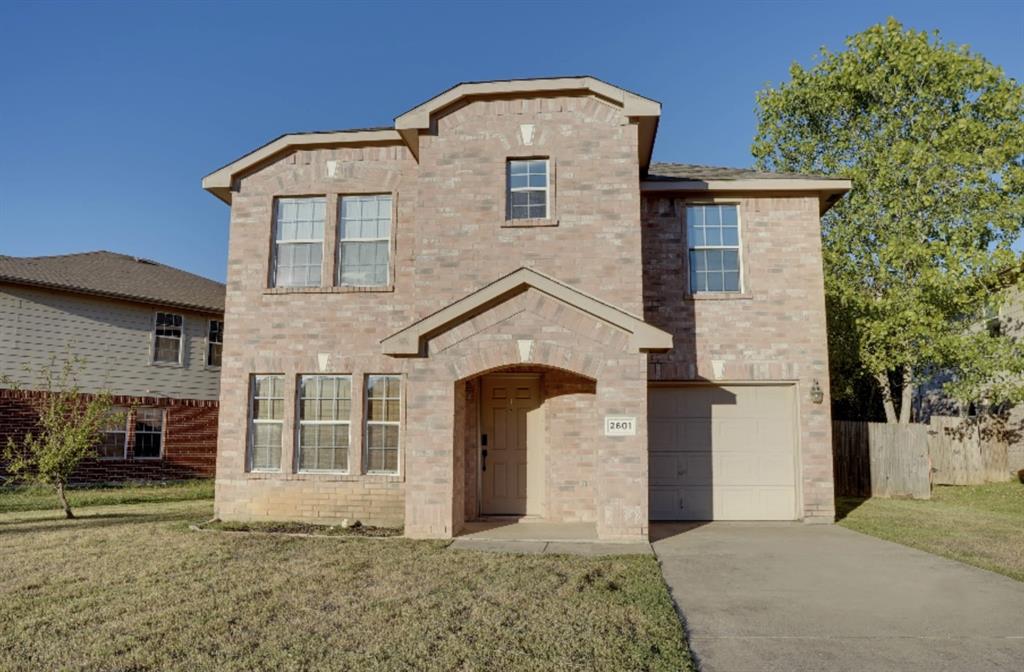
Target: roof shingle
{"points": [[690, 171], [115, 275]]}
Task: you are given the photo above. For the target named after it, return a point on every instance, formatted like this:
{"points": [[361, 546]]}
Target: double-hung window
{"points": [[267, 420], [383, 410], [325, 407], [528, 188], [298, 241], [214, 343], [114, 442], [713, 237], [364, 240], [167, 337], [149, 433]]}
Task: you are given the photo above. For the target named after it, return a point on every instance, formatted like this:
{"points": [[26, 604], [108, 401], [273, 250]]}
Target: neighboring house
{"points": [[501, 307], [932, 400], [150, 334]]}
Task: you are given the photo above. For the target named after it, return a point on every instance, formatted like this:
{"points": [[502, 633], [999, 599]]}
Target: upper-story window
{"points": [[528, 188], [713, 237], [364, 240], [298, 241], [214, 343], [167, 338]]}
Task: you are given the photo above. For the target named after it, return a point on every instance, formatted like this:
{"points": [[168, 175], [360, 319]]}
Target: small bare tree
{"points": [[70, 427]]}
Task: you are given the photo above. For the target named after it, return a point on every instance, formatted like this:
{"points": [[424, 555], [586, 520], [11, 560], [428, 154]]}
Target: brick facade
{"points": [[450, 238], [189, 438], [774, 331]]}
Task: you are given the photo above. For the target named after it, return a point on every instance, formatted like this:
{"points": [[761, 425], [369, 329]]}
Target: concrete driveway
{"points": [[788, 596]]}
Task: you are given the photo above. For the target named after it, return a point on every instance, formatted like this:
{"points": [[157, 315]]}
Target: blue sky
{"points": [[111, 113]]}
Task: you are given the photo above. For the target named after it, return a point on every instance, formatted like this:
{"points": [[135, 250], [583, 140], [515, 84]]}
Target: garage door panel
{"points": [[695, 435], [680, 469], [734, 434], [722, 453], [663, 434]]}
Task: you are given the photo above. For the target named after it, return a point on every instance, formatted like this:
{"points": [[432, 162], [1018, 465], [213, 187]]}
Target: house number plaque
{"points": [[619, 425]]}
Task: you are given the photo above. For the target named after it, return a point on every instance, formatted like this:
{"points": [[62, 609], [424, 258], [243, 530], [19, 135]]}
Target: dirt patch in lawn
{"points": [[302, 529]]}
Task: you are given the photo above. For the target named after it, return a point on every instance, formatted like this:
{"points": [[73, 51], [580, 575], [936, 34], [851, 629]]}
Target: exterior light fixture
{"points": [[817, 394]]}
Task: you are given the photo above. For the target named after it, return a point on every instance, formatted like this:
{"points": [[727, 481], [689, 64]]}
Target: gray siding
{"points": [[114, 338]]}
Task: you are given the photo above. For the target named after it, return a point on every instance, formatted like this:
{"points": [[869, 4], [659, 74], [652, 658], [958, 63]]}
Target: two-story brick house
{"points": [[500, 307], [147, 333]]}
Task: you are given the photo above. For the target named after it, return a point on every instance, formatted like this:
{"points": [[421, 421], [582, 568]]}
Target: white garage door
{"points": [[722, 452]]}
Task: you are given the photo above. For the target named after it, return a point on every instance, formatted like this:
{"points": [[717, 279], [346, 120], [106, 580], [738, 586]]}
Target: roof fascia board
{"points": [[752, 184], [220, 180], [409, 342], [632, 104]]}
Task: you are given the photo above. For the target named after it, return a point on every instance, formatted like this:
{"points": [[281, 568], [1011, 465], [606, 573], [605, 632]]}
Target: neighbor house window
{"points": [[167, 337], [383, 408], [528, 189], [325, 406], [267, 415], [214, 343], [298, 241], [114, 443], [149, 432], [713, 237], [364, 240]]}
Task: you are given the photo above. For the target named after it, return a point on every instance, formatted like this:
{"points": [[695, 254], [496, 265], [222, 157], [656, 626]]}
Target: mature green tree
{"points": [[70, 426], [932, 136]]}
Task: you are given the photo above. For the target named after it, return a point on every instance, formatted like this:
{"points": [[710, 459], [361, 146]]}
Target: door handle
{"points": [[483, 455]]}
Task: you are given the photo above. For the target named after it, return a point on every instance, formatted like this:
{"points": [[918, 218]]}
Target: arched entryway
{"points": [[526, 451]]}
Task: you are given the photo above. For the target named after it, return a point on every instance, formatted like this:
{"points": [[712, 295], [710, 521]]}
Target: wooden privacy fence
{"points": [[881, 460], [888, 460]]}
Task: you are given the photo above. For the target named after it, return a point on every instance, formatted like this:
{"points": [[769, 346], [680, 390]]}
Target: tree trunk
{"points": [[64, 500], [887, 401], [906, 397]]}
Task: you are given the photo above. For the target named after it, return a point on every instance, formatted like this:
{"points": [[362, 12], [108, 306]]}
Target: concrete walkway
{"points": [[821, 598], [514, 536]]}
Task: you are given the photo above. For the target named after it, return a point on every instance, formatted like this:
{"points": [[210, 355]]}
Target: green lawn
{"points": [[981, 525], [130, 587], [32, 497]]}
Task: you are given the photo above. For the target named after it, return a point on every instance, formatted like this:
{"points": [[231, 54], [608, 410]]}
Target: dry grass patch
{"points": [[132, 588], [981, 525]]}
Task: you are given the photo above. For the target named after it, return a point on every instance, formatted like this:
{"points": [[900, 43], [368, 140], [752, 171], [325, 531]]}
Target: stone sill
{"points": [[328, 290], [323, 477], [720, 296], [528, 223]]}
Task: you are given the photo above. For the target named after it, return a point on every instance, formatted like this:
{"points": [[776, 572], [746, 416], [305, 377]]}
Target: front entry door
{"points": [[507, 406]]}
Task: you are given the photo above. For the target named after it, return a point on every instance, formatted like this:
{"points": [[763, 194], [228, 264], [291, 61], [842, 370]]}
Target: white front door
{"points": [[508, 420]]}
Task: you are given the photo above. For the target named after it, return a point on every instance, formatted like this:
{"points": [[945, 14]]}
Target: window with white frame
{"points": [[713, 238], [214, 343], [114, 442], [325, 407], [149, 433], [528, 188], [167, 337], [298, 241], [364, 240], [266, 422], [383, 410]]}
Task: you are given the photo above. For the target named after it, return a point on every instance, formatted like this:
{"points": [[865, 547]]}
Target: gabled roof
{"points": [[410, 340], [409, 125], [686, 177], [119, 276]]}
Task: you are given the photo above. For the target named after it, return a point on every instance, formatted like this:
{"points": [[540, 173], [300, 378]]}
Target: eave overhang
{"points": [[829, 190], [411, 341], [220, 182]]}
